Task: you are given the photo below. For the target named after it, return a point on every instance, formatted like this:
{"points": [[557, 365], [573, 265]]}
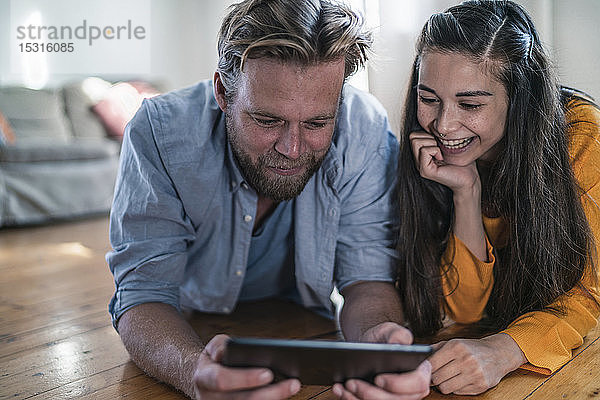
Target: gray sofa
{"points": [[61, 165]]}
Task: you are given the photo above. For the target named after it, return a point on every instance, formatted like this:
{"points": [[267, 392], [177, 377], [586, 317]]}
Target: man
{"points": [[273, 181]]}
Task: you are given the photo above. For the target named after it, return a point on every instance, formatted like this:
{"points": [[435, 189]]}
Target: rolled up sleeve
{"points": [[149, 230]]}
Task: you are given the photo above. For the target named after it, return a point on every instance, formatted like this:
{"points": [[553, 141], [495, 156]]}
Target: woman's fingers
{"points": [[427, 154]]}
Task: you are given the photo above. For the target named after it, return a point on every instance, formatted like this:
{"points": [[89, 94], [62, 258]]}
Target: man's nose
{"points": [[289, 142], [447, 121]]}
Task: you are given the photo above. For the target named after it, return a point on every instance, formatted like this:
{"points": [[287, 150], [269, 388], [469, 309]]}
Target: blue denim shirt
{"points": [[182, 215]]}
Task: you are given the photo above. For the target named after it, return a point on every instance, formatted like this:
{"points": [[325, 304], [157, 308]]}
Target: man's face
{"points": [[281, 121]]}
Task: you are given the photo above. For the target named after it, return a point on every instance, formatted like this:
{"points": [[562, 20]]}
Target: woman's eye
{"points": [[427, 100], [469, 106]]}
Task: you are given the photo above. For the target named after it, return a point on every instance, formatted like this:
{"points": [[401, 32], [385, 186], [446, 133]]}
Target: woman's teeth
{"points": [[456, 144]]}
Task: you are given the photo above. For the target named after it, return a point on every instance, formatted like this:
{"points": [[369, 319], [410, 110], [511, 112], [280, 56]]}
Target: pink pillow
{"points": [[6, 130], [119, 105]]}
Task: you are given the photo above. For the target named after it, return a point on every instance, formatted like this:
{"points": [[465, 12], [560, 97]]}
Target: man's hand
{"points": [[215, 381], [410, 385], [164, 345], [387, 332], [472, 366]]}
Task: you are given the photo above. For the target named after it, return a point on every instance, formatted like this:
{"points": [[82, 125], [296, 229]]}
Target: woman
{"points": [[498, 194]]}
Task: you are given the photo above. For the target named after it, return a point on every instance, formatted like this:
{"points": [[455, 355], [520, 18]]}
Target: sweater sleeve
{"points": [[548, 339], [467, 282]]}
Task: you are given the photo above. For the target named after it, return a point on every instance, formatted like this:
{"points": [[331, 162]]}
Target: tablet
{"points": [[321, 362]]}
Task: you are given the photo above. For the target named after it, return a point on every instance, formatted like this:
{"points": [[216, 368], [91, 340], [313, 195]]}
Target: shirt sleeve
{"points": [[547, 339], [365, 249], [149, 230], [467, 281]]}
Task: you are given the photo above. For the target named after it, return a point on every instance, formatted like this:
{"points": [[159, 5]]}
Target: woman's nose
{"points": [[447, 121]]}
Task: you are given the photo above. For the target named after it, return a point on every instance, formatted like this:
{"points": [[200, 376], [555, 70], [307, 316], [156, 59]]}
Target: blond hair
{"points": [[305, 32]]}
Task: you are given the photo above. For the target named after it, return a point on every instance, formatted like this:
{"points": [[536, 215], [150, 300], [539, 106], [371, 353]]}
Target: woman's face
{"points": [[462, 105]]}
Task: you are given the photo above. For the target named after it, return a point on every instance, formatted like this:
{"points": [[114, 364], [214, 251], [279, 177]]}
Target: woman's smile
{"points": [[455, 145]]}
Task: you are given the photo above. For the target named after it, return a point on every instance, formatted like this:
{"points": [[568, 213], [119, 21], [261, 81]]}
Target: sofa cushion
{"points": [[78, 107], [35, 113], [28, 151], [32, 193]]}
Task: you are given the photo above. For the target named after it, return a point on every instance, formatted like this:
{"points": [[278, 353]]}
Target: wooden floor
{"points": [[56, 340]]}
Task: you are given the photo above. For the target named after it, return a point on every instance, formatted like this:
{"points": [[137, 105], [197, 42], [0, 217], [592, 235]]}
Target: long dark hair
{"points": [[530, 184]]}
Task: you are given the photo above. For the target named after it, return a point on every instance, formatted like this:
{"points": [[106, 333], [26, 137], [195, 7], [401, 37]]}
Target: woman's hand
{"points": [[472, 366], [465, 184], [430, 164]]}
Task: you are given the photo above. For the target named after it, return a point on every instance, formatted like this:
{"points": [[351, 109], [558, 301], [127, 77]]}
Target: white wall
{"points": [[183, 42], [571, 31], [577, 43], [184, 47]]}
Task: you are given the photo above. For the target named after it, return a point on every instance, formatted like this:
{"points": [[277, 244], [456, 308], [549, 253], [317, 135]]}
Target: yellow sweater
{"points": [[546, 340]]}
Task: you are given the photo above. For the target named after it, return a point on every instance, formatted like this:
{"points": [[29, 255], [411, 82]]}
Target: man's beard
{"points": [[271, 185]]}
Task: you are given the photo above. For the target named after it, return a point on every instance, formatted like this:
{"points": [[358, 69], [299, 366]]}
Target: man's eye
{"points": [[316, 125], [266, 122], [427, 100]]}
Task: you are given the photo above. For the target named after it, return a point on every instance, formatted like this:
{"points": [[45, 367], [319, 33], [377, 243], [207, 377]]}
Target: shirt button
{"points": [[238, 272], [244, 185], [226, 309], [247, 218]]}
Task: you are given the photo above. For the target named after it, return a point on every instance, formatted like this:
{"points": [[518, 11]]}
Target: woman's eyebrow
{"points": [[473, 93], [468, 93], [425, 88]]}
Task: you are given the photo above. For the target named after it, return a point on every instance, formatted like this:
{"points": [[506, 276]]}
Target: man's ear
{"points": [[219, 91]]}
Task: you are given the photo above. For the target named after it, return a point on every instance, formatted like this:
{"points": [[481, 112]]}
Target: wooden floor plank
{"points": [[91, 232], [15, 309], [51, 269], [132, 390], [47, 335], [47, 367], [97, 384], [57, 283], [40, 318]]}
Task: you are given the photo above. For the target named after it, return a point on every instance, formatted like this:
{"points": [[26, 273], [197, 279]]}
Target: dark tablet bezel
{"points": [[321, 362]]}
